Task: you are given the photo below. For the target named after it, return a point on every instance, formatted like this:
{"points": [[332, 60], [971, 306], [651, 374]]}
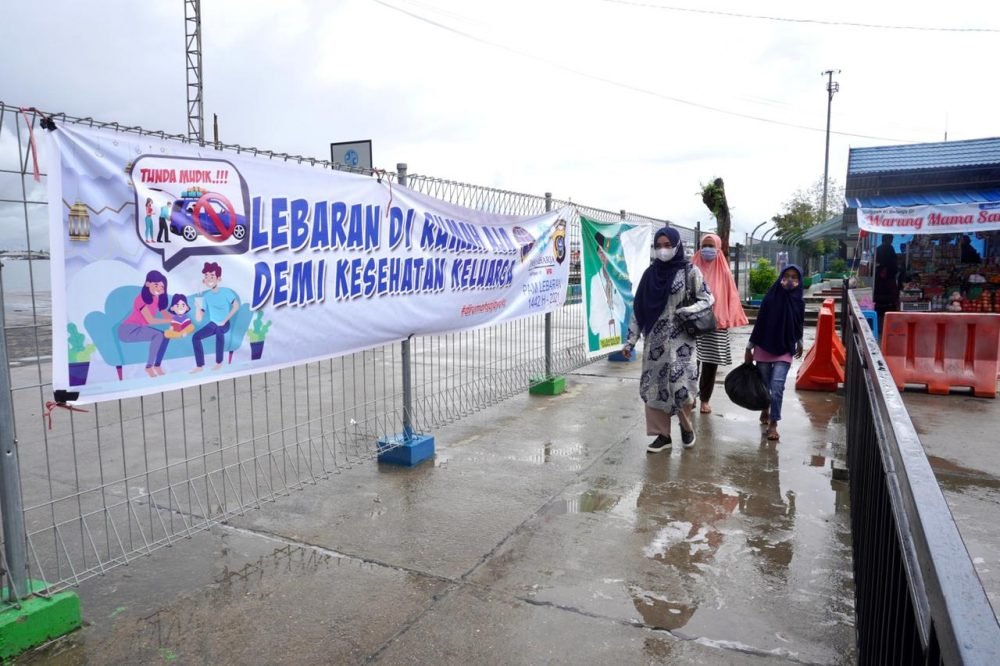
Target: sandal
{"points": [[772, 435], [705, 408]]}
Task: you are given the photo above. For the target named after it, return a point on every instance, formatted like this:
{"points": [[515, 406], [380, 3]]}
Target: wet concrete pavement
{"points": [[960, 436], [542, 532]]}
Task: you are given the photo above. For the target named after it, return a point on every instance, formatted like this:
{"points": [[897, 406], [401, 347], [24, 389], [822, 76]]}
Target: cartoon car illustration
{"points": [[182, 222], [525, 240]]}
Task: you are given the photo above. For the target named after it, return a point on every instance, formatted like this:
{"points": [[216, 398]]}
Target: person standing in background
{"points": [[885, 290], [714, 348]]}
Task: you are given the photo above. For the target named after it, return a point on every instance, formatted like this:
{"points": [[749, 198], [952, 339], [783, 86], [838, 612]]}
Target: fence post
{"points": [[548, 384], [406, 448], [15, 539], [27, 620], [405, 350], [737, 248], [548, 315], [843, 309]]}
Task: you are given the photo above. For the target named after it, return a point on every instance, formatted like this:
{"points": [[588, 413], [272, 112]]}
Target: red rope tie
{"points": [[31, 139], [52, 406]]}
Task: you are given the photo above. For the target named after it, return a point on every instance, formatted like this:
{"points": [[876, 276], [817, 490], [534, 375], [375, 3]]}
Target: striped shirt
{"points": [[714, 348]]}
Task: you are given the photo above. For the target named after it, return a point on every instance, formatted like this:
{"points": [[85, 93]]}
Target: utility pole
{"points": [[195, 105], [832, 87]]}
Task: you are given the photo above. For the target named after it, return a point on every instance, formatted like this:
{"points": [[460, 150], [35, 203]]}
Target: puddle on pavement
{"points": [[952, 476], [590, 501], [702, 531], [548, 453], [660, 612], [170, 632], [598, 499]]}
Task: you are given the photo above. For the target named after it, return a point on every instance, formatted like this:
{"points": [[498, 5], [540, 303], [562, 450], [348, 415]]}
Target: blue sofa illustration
{"points": [[103, 330]]}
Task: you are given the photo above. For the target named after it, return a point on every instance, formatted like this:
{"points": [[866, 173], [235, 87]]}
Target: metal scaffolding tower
{"points": [[195, 104]]}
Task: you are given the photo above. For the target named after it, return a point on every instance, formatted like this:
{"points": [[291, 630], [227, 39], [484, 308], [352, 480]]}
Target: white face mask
{"points": [[665, 253], [708, 253]]}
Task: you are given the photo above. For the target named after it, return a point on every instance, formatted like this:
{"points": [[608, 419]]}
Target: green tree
{"points": [[814, 195], [762, 276], [713, 195], [803, 211]]}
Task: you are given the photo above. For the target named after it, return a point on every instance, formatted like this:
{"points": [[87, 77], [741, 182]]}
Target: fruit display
{"points": [[982, 299]]}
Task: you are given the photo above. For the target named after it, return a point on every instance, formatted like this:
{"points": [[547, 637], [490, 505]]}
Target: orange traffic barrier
{"points": [[821, 370], [839, 351], [943, 351]]}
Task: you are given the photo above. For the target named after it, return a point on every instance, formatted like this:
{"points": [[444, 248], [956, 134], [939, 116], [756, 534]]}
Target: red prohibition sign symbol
{"points": [[224, 231]]}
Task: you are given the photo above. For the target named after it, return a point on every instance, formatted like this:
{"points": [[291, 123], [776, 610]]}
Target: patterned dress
{"points": [[670, 357]]}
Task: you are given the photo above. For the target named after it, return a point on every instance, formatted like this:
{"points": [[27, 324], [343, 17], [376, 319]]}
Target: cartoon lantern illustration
{"points": [[79, 222]]}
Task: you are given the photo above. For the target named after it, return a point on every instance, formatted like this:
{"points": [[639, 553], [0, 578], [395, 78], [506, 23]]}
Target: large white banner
{"points": [[950, 219], [174, 265]]}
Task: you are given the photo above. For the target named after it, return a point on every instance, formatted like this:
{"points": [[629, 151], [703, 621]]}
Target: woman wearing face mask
{"points": [[669, 382], [713, 348], [776, 336]]}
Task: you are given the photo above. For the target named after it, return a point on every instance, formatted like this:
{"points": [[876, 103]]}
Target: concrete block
{"points": [[39, 620], [547, 386]]}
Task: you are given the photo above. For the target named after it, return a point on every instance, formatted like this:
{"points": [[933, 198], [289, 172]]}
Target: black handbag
{"points": [[698, 323]]}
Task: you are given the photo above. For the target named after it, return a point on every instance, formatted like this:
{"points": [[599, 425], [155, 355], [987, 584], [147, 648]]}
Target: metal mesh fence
{"points": [[115, 482]]}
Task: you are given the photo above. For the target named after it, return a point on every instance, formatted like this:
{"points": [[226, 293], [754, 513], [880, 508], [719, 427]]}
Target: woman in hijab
{"points": [[669, 383], [776, 337], [713, 348]]}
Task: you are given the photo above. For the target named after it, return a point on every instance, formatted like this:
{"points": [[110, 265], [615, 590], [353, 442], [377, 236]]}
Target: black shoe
{"points": [[687, 438], [661, 443]]}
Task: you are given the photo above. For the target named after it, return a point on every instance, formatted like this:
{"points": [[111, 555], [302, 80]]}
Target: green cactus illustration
{"points": [[79, 349], [258, 331]]}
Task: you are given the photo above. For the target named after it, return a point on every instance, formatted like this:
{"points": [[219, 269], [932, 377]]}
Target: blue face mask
{"points": [[709, 253]]}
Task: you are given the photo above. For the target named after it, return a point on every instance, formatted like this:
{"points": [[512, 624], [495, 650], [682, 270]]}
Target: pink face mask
{"points": [[789, 283]]}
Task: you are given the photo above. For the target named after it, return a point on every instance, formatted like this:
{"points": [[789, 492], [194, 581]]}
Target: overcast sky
{"points": [[605, 102]]}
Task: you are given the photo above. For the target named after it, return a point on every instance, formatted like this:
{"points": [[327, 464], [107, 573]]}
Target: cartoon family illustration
{"points": [[151, 309]]}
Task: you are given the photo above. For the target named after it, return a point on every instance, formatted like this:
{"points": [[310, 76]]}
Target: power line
{"points": [[785, 19], [626, 86]]}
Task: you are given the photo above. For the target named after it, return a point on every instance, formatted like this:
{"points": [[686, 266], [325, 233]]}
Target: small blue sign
{"points": [[351, 158]]}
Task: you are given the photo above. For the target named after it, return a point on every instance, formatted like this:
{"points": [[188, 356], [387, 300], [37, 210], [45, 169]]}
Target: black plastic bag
{"points": [[745, 388]]}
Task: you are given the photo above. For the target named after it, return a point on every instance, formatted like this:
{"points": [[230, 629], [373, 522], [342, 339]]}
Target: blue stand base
{"points": [[618, 357], [400, 450], [872, 318]]}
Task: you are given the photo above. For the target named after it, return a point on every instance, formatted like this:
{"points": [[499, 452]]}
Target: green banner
{"points": [[613, 258]]}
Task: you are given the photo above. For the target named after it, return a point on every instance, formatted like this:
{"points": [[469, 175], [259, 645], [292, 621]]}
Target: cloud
{"points": [[561, 96]]}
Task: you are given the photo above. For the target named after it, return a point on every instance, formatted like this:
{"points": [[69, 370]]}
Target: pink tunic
{"points": [[761, 355], [135, 317]]}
